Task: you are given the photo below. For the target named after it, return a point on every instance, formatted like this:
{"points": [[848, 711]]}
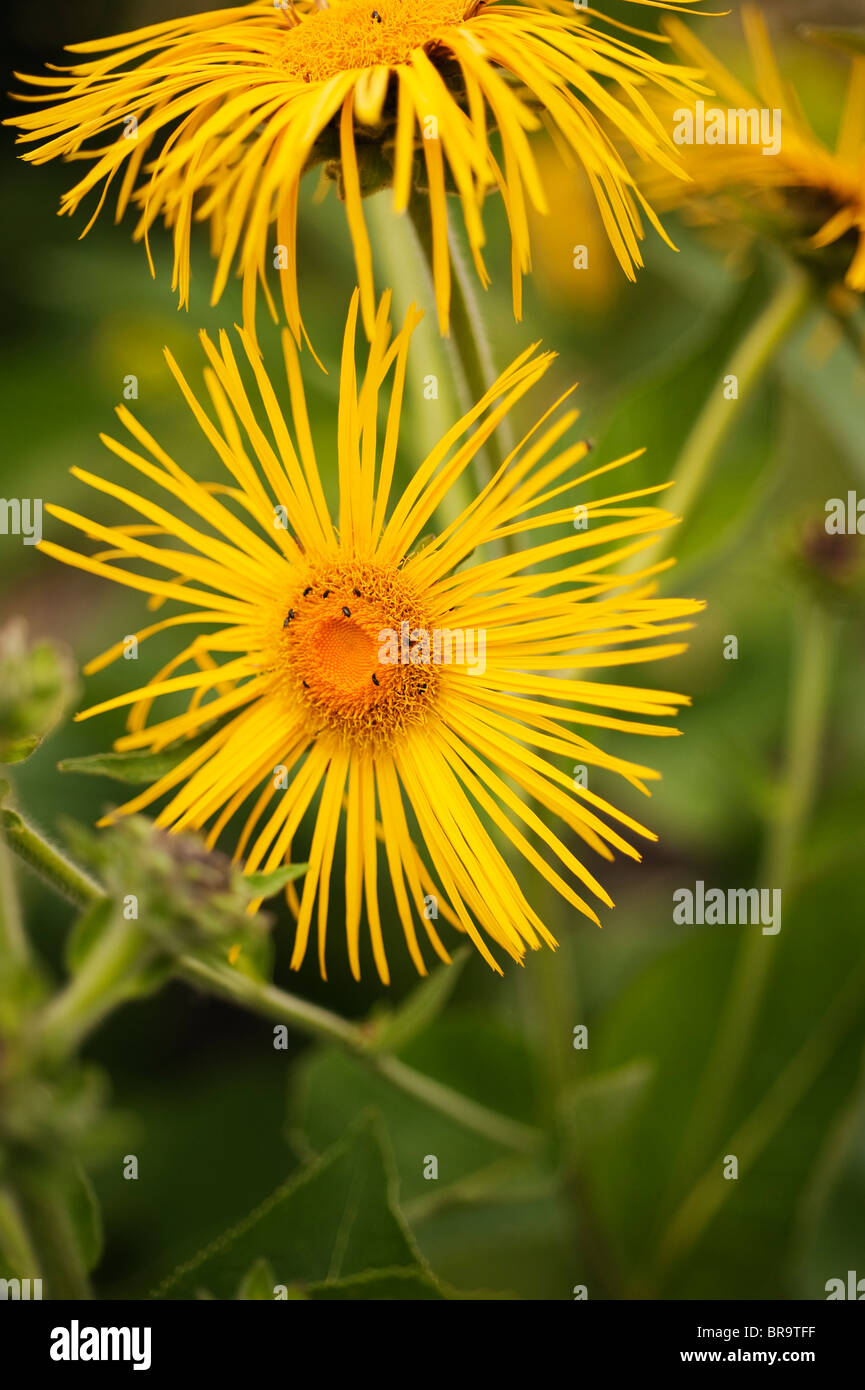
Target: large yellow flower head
{"points": [[216, 117], [428, 697], [812, 194]]}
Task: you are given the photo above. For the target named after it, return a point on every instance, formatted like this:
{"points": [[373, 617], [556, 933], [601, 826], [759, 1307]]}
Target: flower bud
{"points": [[37, 684]]}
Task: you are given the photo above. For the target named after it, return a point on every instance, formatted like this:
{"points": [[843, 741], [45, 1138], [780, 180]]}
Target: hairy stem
{"points": [[325, 1026], [47, 861], [476, 1118], [13, 941], [105, 977]]}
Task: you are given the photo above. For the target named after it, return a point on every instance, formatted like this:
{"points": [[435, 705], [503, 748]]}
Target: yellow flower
{"points": [[217, 116], [817, 192], [297, 663]]}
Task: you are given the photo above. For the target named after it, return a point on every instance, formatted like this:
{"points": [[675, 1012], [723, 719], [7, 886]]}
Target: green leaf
{"points": [[256, 958], [136, 769], [596, 1106], [87, 933], [488, 1220], [140, 769], [258, 1282], [37, 683], [86, 1217], [831, 1218], [265, 885], [473, 1052], [150, 978], [334, 1219], [421, 1008], [229, 1114], [16, 750], [746, 1245], [411, 1284]]}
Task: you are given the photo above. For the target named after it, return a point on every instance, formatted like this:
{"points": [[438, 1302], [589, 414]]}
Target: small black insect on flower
{"points": [[376, 16]]}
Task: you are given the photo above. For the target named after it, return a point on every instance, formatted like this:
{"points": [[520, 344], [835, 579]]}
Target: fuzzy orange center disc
{"points": [[355, 34]]}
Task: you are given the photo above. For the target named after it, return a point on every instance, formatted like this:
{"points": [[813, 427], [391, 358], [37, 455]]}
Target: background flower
{"points": [[810, 194], [216, 118]]}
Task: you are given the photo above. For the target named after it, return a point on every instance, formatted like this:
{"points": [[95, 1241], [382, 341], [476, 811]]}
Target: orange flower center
{"points": [[355, 34], [342, 647]]}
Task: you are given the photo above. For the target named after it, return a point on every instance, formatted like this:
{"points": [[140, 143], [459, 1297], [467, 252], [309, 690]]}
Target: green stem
{"points": [[468, 344], [836, 1150], [556, 1006], [476, 372], [432, 414], [270, 1001], [748, 363], [403, 266], [13, 941], [47, 861], [815, 636], [104, 979], [505, 1180], [54, 1237], [468, 331], [102, 982], [751, 1138], [478, 1119], [328, 1027], [16, 1243]]}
